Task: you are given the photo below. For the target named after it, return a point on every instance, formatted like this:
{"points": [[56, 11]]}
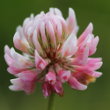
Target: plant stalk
{"points": [[51, 102]]}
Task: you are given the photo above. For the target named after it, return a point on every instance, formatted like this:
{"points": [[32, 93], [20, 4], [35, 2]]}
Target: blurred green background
{"points": [[97, 97]]}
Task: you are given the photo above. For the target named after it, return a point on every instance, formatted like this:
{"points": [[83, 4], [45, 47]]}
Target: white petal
{"points": [[58, 12], [71, 22], [70, 46]]}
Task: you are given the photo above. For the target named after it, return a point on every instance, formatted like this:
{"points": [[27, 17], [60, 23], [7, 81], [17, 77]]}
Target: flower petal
{"points": [[20, 41], [81, 56], [46, 89], [71, 22], [51, 33], [58, 88], [76, 84], [94, 45], [87, 31], [40, 63], [64, 75], [69, 47], [51, 77]]}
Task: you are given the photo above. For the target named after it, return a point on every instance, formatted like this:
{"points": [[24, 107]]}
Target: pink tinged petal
{"points": [[94, 74], [40, 63], [69, 47], [36, 43], [14, 59], [28, 28], [20, 42], [22, 85], [64, 75], [64, 26], [91, 65], [14, 70], [27, 21], [57, 25], [81, 56], [87, 31], [75, 84], [43, 35], [58, 88], [71, 22], [28, 79], [94, 45], [7, 55], [97, 74], [13, 63], [59, 30], [55, 11], [17, 84], [88, 70], [46, 89], [7, 50], [28, 75], [87, 41], [51, 78], [94, 60], [58, 12], [94, 63], [17, 58], [51, 33], [11, 70], [8, 59], [39, 15]]}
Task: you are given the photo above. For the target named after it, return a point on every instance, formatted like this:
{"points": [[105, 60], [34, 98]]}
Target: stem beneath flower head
{"points": [[51, 102]]}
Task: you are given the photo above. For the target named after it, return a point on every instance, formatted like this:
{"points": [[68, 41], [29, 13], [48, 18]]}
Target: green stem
{"points": [[51, 102]]}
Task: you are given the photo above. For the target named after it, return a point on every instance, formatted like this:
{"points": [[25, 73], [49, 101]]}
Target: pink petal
{"points": [[51, 33], [43, 35], [14, 70], [69, 47], [16, 60], [94, 45], [94, 63], [81, 56], [8, 59], [51, 77], [97, 74], [36, 43], [47, 89], [59, 30], [20, 42], [76, 84], [64, 75], [87, 31], [58, 88], [87, 70], [71, 22], [17, 84], [28, 75], [40, 63]]}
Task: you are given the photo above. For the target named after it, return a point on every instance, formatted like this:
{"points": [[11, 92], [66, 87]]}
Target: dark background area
{"points": [[97, 96]]}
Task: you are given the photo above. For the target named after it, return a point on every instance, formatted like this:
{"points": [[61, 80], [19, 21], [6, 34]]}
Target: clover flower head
{"points": [[52, 54]]}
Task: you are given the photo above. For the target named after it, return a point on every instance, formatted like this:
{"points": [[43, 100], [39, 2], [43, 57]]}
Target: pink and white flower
{"points": [[52, 54]]}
